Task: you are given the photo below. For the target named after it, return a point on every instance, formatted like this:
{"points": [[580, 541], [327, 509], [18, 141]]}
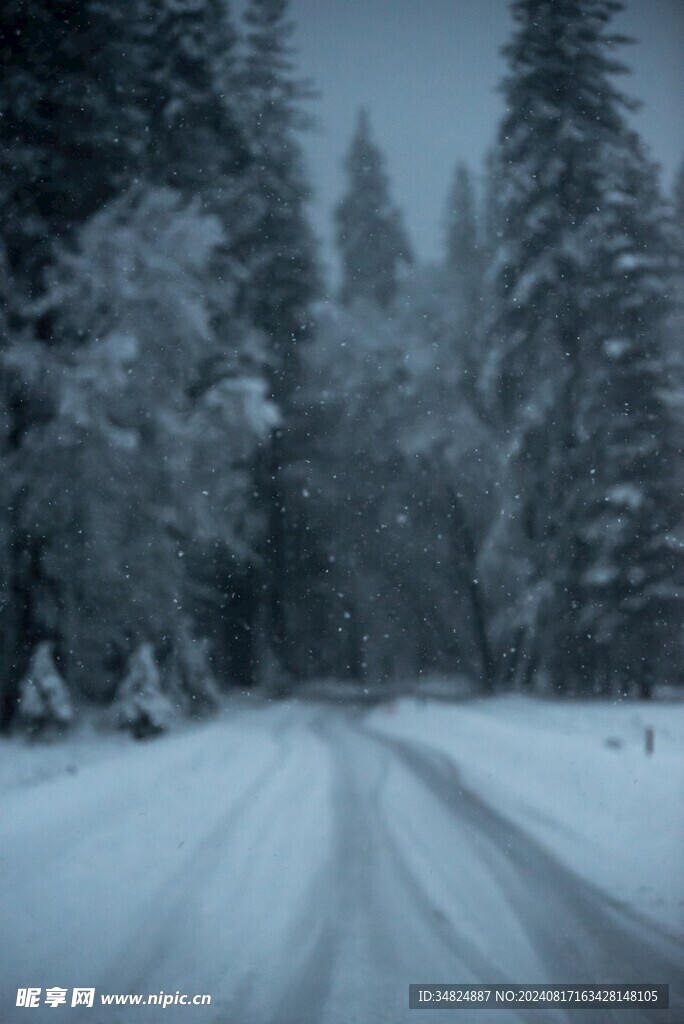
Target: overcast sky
{"points": [[428, 71]]}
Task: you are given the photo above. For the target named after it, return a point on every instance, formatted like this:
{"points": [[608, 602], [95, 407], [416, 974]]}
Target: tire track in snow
{"points": [[241, 913], [580, 934], [329, 872], [387, 925]]}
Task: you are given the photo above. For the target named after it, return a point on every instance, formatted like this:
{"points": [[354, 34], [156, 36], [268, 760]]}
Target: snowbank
{"points": [[576, 776]]}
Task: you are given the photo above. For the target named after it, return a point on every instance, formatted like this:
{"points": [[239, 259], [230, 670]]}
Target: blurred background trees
{"points": [[467, 467]]}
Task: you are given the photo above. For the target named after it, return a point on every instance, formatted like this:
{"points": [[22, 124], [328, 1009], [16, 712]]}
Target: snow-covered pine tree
{"points": [[580, 275], [561, 105], [45, 707], [141, 705], [371, 239], [628, 504]]}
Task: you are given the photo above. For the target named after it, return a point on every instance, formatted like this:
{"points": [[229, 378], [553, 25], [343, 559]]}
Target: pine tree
{"points": [[275, 246], [632, 570], [100, 96], [561, 107], [370, 235], [574, 370], [180, 70], [44, 703], [142, 706], [67, 141]]}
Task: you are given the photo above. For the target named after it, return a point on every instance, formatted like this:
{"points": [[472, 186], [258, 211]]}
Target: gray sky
{"points": [[428, 71]]}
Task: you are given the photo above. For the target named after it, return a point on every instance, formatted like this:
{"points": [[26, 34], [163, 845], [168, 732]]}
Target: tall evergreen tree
{"points": [[574, 369], [631, 566], [179, 68], [67, 140], [66, 147], [371, 238], [98, 96], [275, 246]]}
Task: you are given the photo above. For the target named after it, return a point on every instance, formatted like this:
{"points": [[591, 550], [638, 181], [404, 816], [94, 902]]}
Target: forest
{"points": [[220, 470]]}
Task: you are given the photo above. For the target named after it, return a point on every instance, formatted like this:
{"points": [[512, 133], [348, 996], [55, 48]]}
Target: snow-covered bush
{"points": [[141, 706], [44, 704]]}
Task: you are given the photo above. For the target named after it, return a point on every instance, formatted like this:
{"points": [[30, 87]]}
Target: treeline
{"points": [[529, 482], [214, 476], [157, 271]]}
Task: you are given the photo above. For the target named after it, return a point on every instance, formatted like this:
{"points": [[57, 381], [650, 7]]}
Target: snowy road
{"points": [[301, 869]]}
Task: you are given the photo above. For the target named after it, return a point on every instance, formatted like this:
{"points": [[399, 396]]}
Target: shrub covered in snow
{"points": [[44, 703], [141, 705]]}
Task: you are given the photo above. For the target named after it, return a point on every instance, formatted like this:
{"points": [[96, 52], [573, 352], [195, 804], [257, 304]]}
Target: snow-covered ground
{"points": [[576, 776], [302, 863]]}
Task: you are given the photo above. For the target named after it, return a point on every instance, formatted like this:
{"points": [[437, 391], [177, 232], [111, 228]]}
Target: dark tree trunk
{"points": [[465, 547], [645, 689]]}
